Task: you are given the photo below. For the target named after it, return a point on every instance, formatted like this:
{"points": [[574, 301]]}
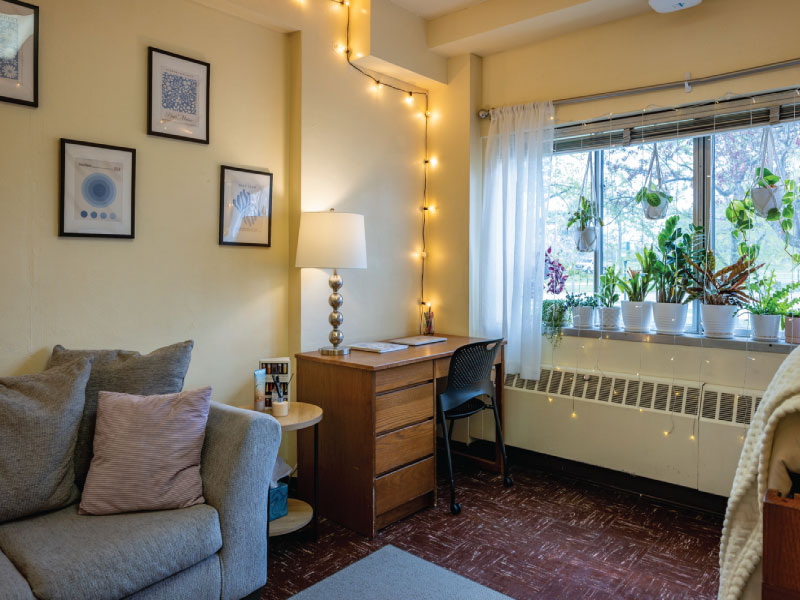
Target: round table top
{"points": [[301, 415]]}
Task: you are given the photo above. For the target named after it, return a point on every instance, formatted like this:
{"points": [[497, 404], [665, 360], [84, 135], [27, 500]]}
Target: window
{"points": [[725, 156]]}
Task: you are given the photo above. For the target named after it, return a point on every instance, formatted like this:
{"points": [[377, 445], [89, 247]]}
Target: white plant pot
{"points": [[655, 212], [636, 315], [670, 318], [583, 317], [766, 327], [718, 321], [765, 199], [609, 317], [585, 239]]}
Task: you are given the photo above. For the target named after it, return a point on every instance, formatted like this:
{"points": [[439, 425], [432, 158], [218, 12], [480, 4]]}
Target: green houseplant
{"points": [[586, 220], [554, 318], [722, 292], [673, 246], [769, 306], [608, 297], [653, 200], [583, 308], [636, 310]]}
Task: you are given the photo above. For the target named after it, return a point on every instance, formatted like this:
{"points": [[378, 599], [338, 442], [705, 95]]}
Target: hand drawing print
{"points": [[249, 210], [179, 97], [9, 48]]}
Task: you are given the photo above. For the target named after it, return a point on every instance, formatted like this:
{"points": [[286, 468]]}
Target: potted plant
{"points": [[673, 245], [766, 192], [586, 220], [608, 296], [554, 318], [769, 305], [555, 273], [654, 202], [722, 292], [636, 311], [792, 326], [583, 308]]}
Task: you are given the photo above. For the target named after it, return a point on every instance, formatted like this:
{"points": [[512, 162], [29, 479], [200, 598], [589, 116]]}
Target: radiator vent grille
{"points": [[736, 407]]}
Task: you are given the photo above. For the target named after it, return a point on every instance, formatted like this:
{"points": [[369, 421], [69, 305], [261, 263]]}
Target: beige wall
{"points": [[173, 282], [716, 37]]}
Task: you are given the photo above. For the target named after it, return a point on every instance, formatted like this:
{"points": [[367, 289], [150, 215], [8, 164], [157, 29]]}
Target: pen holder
{"points": [[280, 409]]}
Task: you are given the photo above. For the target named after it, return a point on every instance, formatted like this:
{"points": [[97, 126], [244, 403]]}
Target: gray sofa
{"points": [[216, 550]]}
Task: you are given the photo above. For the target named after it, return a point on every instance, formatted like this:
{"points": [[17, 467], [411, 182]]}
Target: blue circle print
{"points": [[99, 190], [103, 215], [84, 214], [112, 216], [94, 215]]}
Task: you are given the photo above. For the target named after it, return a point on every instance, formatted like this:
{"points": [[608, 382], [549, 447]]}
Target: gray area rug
{"points": [[390, 574]]}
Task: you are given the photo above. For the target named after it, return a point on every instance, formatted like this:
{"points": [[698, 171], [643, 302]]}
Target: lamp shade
{"points": [[331, 240]]}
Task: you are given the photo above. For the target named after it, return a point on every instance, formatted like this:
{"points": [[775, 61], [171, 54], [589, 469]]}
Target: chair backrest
{"points": [[470, 373]]}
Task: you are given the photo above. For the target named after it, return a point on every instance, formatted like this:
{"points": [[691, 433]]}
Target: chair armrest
{"points": [[236, 467], [781, 578]]}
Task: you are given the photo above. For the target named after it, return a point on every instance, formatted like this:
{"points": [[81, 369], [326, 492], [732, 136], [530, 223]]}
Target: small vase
{"points": [[766, 327], [585, 239], [636, 315], [793, 330], [766, 198], [609, 317], [670, 317], [583, 317], [718, 321]]}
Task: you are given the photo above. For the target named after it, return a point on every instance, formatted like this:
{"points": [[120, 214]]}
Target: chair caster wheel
{"points": [[455, 508], [508, 481]]}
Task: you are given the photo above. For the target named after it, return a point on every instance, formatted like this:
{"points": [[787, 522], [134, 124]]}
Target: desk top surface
{"points": [[373, 361]]}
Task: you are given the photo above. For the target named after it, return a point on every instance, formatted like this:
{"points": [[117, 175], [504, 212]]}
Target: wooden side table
{"points": [[301, 415]]}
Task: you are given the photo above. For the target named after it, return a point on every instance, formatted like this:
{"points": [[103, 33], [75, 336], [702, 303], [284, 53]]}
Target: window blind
{"points": [[684, 122]]}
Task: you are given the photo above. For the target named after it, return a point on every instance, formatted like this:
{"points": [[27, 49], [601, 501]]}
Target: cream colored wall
{"points": [[173, 282], [716, 37]]}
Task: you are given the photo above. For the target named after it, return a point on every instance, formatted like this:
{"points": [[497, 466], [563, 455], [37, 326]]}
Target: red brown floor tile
{"points": [[549, 537]]}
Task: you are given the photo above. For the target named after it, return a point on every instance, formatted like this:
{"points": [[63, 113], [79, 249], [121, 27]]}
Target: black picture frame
{"points": [[151, 53], [65, 229], [35, 101], [224, 170]]}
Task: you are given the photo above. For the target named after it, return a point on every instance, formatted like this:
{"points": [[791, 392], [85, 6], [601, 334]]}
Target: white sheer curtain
{"points": [[511, 233]]}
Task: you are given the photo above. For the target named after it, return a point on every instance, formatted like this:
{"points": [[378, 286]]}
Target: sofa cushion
{"points": [[64, 555], [39, 416], [146, 452], [12, 584], [199, 582], [160, 372]]}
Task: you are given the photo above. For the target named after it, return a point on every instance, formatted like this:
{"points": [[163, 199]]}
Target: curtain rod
{"points": [[687, 83]]}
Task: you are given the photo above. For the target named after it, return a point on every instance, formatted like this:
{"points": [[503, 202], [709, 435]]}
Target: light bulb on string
{"points": [[410, 98]]}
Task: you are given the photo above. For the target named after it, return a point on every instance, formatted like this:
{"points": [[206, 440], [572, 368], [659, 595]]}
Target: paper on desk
{"points": [[280, 470]]}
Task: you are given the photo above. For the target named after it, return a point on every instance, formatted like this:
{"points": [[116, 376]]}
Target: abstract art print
{"points": [[97, 190], [245, 207], [19, 52], [177, 96]]}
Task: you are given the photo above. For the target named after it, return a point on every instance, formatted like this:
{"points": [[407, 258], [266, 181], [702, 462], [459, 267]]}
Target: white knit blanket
{"points": [[740, 548]]}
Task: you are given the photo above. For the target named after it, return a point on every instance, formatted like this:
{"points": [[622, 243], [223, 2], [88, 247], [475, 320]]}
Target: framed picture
{"points": [[97, 190], [177, 96], [19, 52], [245, 207]]}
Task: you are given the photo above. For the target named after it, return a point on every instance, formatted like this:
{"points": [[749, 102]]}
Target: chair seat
{"points": [[66, 555], [469, 408]]}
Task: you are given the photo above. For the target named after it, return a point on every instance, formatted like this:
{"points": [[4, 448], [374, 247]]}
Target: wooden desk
{"points": [[377, 452]]}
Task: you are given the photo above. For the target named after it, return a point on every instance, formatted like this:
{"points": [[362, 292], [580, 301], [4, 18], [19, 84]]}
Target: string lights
{"points": [[425, 311]]}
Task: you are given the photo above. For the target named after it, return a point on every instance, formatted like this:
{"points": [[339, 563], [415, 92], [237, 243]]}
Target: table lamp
{"points": [[331, 240]]}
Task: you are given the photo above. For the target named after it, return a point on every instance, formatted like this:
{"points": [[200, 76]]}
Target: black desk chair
{"points": [[468, 381]]}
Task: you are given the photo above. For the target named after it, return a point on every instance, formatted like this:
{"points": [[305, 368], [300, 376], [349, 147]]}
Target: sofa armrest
{"points": [[236, 467]]}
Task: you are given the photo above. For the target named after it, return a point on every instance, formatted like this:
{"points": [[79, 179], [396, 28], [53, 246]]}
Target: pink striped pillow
{"points": [[146, 452]]}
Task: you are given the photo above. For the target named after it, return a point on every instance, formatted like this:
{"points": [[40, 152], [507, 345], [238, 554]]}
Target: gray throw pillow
{"points": [[160, 372], [39, 416]]}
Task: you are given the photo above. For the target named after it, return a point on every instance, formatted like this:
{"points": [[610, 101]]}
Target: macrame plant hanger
{"points": [[660, 210], [586, 238]]}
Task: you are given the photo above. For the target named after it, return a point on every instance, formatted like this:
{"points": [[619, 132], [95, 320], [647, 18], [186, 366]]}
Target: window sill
{"points": [[686, 339]]}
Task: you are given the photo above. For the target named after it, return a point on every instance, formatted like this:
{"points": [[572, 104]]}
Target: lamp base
{"points": [[331, 351]]}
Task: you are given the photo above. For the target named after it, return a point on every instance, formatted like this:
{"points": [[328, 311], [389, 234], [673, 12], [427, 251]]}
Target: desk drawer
{"points": [[400, 377], [404, 407], [403, 446], [403, 485]]}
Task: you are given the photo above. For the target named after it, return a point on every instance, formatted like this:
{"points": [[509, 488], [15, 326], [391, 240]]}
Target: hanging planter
{"points": [[587, 217], [652, 196]]}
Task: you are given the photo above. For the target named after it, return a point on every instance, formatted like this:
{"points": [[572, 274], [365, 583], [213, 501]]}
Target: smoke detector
{"points": [[668, 6]]}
